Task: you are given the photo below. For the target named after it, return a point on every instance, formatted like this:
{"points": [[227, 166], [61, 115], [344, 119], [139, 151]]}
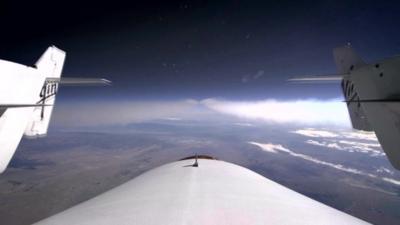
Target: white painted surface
{"points": [[21, 85], [49, 65], [216, 192], [380, 82]]}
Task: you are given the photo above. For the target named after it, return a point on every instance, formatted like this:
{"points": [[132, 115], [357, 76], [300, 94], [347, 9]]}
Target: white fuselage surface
{"points": [[215, 192]]}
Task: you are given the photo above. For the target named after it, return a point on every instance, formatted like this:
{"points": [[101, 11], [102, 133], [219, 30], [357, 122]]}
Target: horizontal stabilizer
{"points": [[375, 100], [22, 105], [317, 79], [76, 81]]}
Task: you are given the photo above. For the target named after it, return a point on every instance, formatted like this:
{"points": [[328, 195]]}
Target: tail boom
{"points": [[372, 96], [20, 100]]}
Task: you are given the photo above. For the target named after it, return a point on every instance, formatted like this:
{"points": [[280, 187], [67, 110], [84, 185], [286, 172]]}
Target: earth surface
{"points": [[342, 168]]}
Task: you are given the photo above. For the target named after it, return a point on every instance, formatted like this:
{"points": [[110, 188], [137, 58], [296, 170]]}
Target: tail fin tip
{"points": [[346, 59]]}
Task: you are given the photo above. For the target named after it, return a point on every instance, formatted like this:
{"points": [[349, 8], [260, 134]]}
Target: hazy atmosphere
{"points": [[200, 77]]}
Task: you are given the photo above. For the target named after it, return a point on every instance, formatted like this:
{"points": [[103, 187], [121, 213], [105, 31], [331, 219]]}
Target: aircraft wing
{"points": [[214, 192]]}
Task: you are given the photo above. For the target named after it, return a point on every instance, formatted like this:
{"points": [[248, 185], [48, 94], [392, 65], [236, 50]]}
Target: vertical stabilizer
{"points": [[49, 65], [26, 100], [347, 61], [372, 94], [27, 96]]}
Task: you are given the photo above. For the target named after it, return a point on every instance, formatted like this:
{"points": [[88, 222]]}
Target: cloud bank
{"points": [[355, 141], [270, 110], [276, 148], [316, 133], [125, 112], [309, 112], [319, 133]]}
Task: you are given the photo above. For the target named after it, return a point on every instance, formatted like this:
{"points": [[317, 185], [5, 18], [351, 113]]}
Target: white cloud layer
{"points": [[373, 149], [268, 147], [270, 110], [384, 170], [359, 135], [356, 141], [363, 135], [125, 112], [275, 148], [310, 112], [316, 133]]}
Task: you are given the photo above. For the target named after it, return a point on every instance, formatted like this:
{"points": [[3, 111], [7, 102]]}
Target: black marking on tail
{"points": [[49, 89], [357, 114]]}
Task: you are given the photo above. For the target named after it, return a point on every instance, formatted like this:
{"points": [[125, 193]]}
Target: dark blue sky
{"points": [[199, 49]]}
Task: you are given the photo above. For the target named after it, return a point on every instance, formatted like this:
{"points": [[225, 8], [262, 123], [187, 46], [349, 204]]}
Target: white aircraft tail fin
{"points": [[50, 66], [20, 87], [372, 96], [27, 96], [346, 59]]}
